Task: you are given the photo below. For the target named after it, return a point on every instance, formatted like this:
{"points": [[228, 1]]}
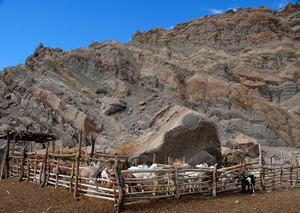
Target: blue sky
{"points": [[70, 24]]}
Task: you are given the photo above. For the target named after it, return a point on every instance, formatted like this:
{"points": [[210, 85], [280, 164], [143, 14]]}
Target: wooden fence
{"points": [[167, 181]]}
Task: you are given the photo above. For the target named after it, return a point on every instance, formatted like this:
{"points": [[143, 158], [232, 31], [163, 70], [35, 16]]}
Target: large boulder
{"points": [[180, 133], [111, 105], [232, 156]]}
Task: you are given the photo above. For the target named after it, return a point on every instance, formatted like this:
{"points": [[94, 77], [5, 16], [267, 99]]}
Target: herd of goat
{"points": [[96, 172]]}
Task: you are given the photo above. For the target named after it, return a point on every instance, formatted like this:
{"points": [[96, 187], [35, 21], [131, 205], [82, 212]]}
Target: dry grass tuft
{"points": [[127, 148]]}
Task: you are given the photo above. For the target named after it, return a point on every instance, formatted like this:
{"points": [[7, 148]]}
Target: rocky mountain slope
{"points": [[241, 69]]}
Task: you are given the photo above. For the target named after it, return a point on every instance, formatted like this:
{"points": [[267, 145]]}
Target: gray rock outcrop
{"points": [[182, 133]]}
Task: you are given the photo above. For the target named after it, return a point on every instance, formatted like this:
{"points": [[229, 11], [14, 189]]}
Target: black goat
{"points": [[248, 182]]}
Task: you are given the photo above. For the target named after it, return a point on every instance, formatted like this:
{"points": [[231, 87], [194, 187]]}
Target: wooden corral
{"points": [[127, 186]]}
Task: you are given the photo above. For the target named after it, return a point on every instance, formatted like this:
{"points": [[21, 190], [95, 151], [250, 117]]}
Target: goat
{"points": [[89, 172], [138, 186], [99, 173], [248, 182], [105, 174]]}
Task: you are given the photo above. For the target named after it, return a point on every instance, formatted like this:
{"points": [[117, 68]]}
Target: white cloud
{"points": [[170, 27], [214, 11], [282, 4], [233, 8]]}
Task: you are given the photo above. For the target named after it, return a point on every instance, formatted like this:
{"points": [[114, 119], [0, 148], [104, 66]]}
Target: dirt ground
{"points": [[28, 197]]}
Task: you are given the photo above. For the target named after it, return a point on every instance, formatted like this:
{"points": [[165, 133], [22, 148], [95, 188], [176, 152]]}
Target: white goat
{"points": [[90, 171], [105, 174]]}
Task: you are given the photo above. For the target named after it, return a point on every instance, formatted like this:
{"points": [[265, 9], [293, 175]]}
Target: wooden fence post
{"points": [[22, 164], [291, 172], [153, 162], [5, 164], [28, 170], [281, 169], [261, 170], [77, 165], [296, 168], [61, 152], [34, 172], [40, 174], [176, 182], [214, 183], [71, 179], [57, 173], [120, 184], [93, 146], [274, 172], [48, 176], [45, 166]]}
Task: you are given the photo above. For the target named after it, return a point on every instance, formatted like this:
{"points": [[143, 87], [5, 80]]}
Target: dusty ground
{"points": [[27, 197]]}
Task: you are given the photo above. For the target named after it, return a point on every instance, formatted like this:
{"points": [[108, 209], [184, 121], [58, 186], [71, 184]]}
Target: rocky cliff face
{"points": [[240, 68]]}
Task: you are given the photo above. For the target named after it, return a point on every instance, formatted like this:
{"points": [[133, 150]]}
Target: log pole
{"points": [[71, 179], [93, 146], [34, 172], [175, 181], [14, 145], [61, 147], [120, 184], [153, 159], [45, 166], [77, 165], [22, 163], [57, 173], [214, 183], [28, 170], [48, 176], [6, 158], [40, 174], [291, 172]]}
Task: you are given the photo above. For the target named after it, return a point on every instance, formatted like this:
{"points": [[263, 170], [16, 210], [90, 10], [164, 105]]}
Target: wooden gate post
{"points": [[22, 164], [77, 165], [56, 175], [214, 183], [45, 166], [176, 182], [71, 178], [28, 170], [5, 164], [296, 168], [120, 184], [291, 172], [93, 146]]}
